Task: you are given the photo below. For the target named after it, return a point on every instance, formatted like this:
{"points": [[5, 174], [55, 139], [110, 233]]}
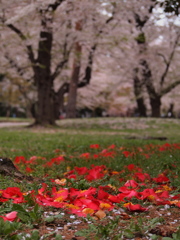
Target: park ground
{"points": [[99, 178]]}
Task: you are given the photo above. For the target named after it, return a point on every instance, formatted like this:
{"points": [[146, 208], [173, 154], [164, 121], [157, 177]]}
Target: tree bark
{"points": [[59, 100], [138, 94], [45, 104], [72, 95], [154, 96], [155, 102]]}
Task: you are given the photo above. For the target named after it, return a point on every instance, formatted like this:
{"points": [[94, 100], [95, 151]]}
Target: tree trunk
{"points": [[154, 96], [41, 66], [155, 102], [59, 100], [138, 94], [72, 95], [45, 104], [7, 168]]}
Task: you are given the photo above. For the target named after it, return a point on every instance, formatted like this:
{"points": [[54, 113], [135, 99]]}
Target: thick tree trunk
{"points": [[138, 94], [141, 107], [45, 104], [41, 66], [155, 102]]}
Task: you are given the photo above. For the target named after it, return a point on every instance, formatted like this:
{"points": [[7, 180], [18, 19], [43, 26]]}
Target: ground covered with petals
{"points": [[115, 192]]}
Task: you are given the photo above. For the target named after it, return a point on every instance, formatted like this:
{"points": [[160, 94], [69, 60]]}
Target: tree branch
{"points": [[88, 71], [21, 72], [108, 20], [61, 64], [63, 89], [58, 68], [23, 38], [53, 6], [169, 88], [169, 61], [164, 58], [13, 64], [86, 79]]}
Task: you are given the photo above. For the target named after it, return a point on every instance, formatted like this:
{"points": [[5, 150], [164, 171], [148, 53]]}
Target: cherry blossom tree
{"points": [[49, 49], [150, 57], [96, 23], [44, 35], [157, 85], [36, 46]]}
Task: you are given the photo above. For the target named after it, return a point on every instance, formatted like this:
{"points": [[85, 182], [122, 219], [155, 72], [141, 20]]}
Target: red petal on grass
{"points": [[133, 168], [72, 176], [131, 184], [127, 154], [10, 216], [29, 170], [106, 153], [132, 194], [61, 195], [95, 173], [117, 199], [85, 155], [13, 193], [19, 159], [102, 194], [135, 207], [81, 170], [148, 194], [3, 200], [87, 203], [124, 189], [161, 178], [176, 197], [142, 176], [95, 146], [112, 146]]}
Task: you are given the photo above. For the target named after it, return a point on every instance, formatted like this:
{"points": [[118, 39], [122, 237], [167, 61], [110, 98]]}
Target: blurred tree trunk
{"points": [[139, 73], [154, 97], [59, 100], [138, 94], [72, 94], [45, 104], [155, 103]]}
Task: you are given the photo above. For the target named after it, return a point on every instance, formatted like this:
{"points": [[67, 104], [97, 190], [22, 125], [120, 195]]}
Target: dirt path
{"points": [[13, 124]]}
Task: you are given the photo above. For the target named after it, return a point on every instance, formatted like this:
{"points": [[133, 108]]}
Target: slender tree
{"points": [[156, 86]]}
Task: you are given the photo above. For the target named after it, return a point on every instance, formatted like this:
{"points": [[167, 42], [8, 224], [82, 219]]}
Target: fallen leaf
{"points": [[100, 214]]}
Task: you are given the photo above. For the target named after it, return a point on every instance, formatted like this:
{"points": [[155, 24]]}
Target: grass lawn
{"points": [[101, 178]]}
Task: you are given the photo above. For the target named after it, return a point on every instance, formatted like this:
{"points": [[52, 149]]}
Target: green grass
{"points": [[72, 138], [139, 127], [75, 136]]}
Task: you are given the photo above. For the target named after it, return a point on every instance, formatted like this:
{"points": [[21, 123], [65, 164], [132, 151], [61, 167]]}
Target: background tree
{"points": [[145, 71], [96, 23], [121, 40], [39, 52]]}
